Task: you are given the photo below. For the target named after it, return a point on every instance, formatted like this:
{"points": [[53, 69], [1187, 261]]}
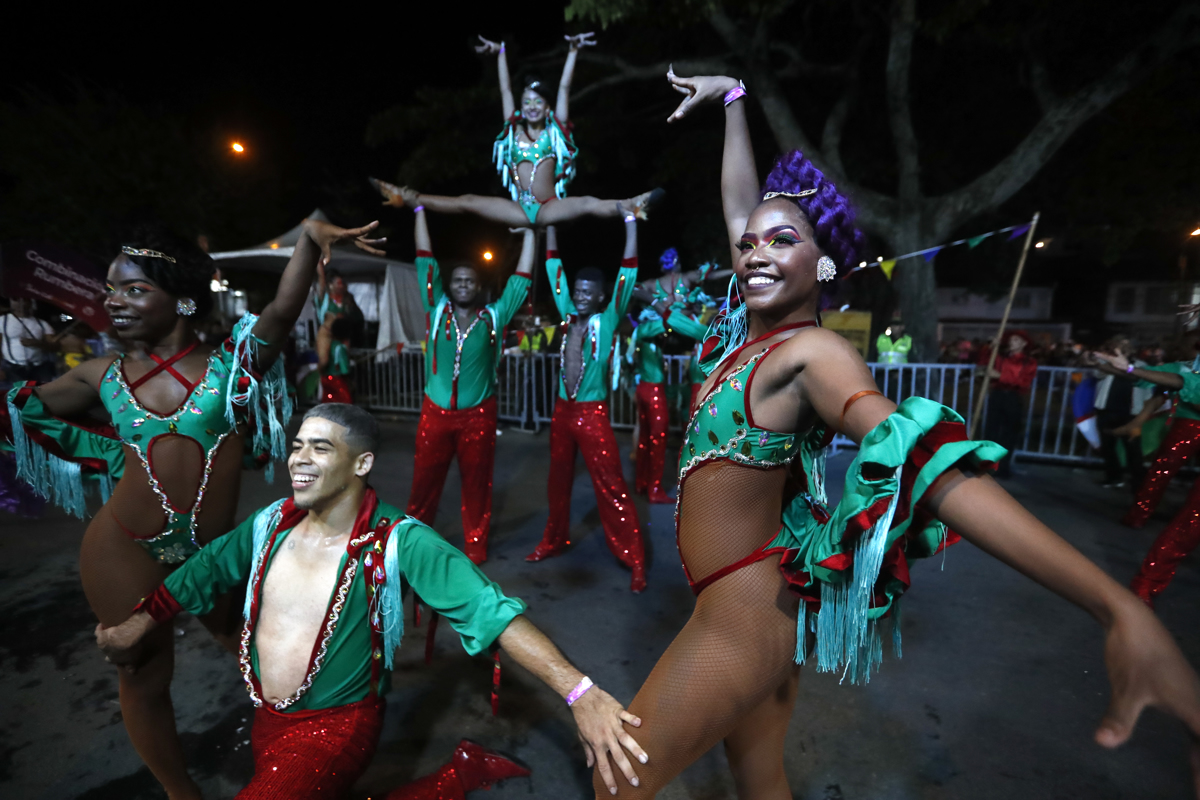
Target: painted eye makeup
{"points": [[744, 245], [784, 238]]}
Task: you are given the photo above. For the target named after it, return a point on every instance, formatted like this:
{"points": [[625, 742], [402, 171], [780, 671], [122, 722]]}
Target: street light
{"points": [[487, 255], [1195, 232], [237, 147]]}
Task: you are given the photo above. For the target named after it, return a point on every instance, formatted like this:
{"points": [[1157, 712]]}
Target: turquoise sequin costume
{"points": [[229, 395], [553, 142]]}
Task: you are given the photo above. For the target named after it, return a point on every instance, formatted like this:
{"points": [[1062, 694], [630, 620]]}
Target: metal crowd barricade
{"points": [[528, 386]]}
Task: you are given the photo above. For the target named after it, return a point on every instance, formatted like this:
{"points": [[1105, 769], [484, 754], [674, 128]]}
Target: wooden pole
{"points": [[1012, 293]]}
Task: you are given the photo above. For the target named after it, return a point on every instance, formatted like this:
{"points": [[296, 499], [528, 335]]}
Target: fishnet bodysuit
{"points": [[732, 662]]}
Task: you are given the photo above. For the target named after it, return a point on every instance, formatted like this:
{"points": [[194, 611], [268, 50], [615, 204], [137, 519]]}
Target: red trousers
{"points": [[1177, 540], [471, 434], [585, 427], [312, 754], [320, 754], [336, 389], [653, 417], [1182, 442]]}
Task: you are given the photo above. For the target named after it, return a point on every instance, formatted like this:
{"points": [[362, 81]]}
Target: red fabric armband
{"points": [[160, 604], [629, 263], [424, 254], [551, 254]]}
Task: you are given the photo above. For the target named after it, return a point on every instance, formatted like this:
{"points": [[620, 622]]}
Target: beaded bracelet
{"points": [[735, 93], [580, 690]]}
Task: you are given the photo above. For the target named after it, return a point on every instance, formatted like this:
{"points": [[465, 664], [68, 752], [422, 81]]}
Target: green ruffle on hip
{"points": [[845, 554]]}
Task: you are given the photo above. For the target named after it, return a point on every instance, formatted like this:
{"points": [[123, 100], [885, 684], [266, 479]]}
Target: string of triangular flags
{"points": [[889, 264]]}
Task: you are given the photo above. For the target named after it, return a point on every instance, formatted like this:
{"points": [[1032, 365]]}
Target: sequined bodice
{"points": [[721, 428], [535, 151]]}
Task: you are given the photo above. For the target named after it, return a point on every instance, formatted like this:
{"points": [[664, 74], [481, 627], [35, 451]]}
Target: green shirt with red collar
{"points": [[648, 362]]}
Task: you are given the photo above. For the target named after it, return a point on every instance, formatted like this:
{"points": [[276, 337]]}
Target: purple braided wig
{"points": [[828, 211]]}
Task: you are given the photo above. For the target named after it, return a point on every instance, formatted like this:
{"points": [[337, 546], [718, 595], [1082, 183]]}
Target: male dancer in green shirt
{"points": [[463, 344], [324, 572], [651, 375], [580, 420]]}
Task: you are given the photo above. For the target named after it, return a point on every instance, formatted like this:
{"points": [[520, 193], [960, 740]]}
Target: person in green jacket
{"points": [[325, 572], [893, 345], [463, 345], [581, 421]]}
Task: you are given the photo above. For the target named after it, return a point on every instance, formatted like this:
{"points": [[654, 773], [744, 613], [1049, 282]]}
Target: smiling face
{"points": [[139, 308], [337, 286], [533, 106], [588, 296], [323, 465], [464, 286], [777, 268]]}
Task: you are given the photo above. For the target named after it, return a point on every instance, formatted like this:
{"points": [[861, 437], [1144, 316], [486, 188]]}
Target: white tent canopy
{"points": [[397, 307]]}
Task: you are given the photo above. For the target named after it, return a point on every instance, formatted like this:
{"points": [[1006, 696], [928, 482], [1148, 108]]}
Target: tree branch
{"points": [[1066, 115], [624, 72], [899, 66]]}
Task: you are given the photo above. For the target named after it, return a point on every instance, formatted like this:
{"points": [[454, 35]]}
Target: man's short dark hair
{"points": [[590, 274], [362, 431]]}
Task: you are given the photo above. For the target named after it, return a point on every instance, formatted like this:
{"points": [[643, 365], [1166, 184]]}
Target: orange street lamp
{"points": [[237, 147], [1195, 232], [487, 255]]}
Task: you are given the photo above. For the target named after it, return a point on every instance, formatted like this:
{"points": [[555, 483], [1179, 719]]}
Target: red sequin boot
{"points": [[471, 767]]}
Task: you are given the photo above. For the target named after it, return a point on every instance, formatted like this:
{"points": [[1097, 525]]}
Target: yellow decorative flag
{"points": [[887, 267]]}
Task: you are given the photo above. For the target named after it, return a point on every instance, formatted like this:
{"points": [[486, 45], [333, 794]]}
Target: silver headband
{"points": [[133, 251], [805, 193]]}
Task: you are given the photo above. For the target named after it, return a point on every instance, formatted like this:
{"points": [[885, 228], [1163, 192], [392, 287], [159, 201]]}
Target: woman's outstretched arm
{"points": [[1116, 364], [421, 231], [739, 177], [506, 96], [315, 246], [562, 107], [1145, 667]]}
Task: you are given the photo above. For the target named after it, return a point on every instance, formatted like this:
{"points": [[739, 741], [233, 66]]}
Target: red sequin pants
{"points": [[585, 427], [471, 434], [653, 417], [1177, 540], [312, 754], [336, 389], [1182, 443]]}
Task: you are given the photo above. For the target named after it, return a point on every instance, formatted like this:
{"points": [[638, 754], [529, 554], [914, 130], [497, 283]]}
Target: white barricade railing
{"points": [[528, 386]]}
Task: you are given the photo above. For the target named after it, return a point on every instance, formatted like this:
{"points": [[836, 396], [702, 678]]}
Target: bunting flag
{"points": [[889, 265]]}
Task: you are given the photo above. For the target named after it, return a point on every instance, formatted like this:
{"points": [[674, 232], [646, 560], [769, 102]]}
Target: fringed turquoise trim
{"points": [[266, 399], [391, 601], [265, 524], [106, 487], [51, 477], [730, 327], [847, 637]]}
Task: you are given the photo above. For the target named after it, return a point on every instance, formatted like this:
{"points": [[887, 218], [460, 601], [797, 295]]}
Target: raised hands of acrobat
{"points": [[325, 236], [699, 89], [580, 40], [488, 46], [1115, 360]]}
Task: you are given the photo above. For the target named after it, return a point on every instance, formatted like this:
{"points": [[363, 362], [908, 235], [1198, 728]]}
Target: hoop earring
{"points": [[185, 306], [826, 269]]}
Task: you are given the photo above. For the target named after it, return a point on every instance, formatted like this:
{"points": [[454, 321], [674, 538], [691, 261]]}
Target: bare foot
{"points": [[640, 206]]}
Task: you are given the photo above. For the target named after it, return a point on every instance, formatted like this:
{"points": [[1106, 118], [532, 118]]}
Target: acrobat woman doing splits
{"points": [[535, 156], [780, 576]]}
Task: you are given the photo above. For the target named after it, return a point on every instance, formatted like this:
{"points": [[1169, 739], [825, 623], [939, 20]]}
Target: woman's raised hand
{"points": [[325, 236], [699, 89], [580, 41], [489, 46]]}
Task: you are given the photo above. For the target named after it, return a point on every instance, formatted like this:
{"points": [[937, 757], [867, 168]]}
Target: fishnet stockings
{"points": [[733, 659]]}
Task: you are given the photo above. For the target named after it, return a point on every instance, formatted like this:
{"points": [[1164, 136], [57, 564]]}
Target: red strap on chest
{"points": [[167, 365]]}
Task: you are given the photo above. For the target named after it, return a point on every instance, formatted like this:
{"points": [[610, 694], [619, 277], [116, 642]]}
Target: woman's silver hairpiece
{"points": [[133, 251], [805, 193]]}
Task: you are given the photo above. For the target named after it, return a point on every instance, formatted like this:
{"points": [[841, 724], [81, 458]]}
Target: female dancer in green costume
{"points": [[768, 557], [535, 156], [180, 414]]}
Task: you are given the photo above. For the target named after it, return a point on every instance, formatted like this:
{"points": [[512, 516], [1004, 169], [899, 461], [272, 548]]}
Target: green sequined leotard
{"points": [[553, 142]]}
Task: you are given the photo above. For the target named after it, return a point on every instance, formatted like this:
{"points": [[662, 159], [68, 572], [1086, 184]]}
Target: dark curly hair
{"points": [[190, 275], [535, 84], [828, 211]]}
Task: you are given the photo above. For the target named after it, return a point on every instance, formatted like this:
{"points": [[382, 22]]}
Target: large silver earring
{"points": [[185, 306], [826, 269]]}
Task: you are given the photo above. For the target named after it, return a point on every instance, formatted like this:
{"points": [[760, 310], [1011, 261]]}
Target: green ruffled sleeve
{"points": [[853, 557], [449, 583], [59, 458], [1190, 393]]}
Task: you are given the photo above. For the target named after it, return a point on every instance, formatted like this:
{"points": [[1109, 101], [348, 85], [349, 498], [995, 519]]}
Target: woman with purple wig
{"points": [[781, 577]]}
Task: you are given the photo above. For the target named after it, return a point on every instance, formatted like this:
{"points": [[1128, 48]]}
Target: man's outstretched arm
{"points": [[597, 714]]}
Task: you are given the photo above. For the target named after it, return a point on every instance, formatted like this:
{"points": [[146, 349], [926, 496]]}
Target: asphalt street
{"points": [[996, 696]]}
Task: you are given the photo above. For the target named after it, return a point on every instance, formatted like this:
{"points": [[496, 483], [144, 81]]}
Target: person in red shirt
{"points": [[1012, 375]]}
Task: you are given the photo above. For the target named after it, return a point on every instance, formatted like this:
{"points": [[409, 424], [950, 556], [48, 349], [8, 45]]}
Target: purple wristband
{"points": [[418, 208], [580, 690], [735, 93], [1129, 370]]}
